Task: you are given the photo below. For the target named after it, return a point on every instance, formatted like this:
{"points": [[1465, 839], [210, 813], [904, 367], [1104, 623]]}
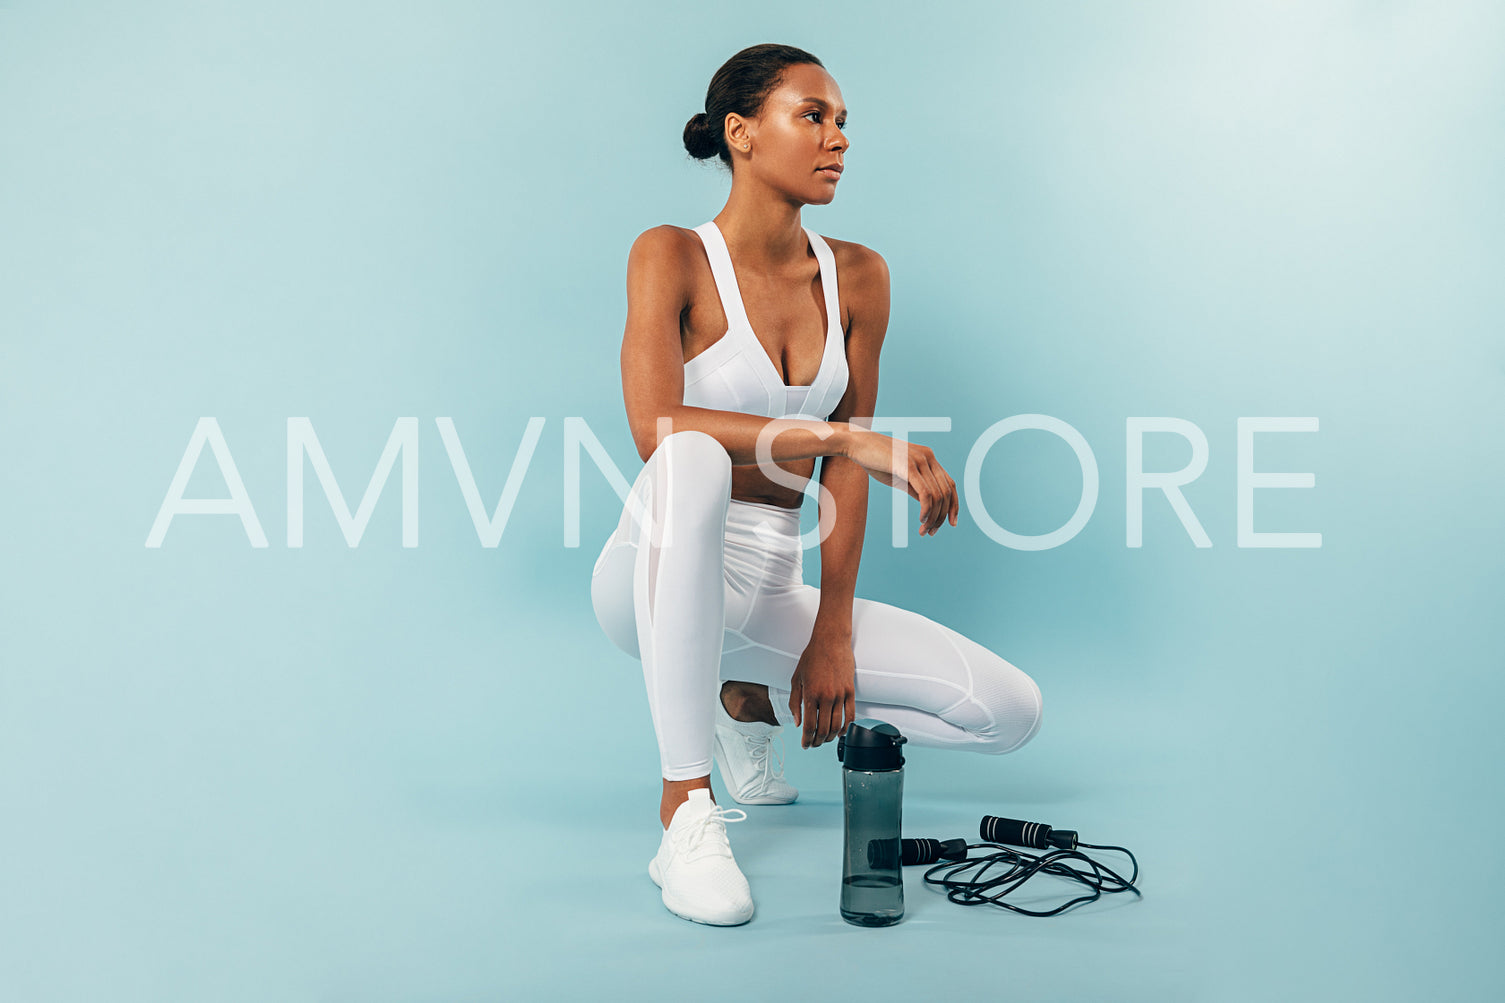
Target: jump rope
{"points": [[952, 874]]}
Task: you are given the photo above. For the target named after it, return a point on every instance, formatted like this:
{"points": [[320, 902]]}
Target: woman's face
{"points": [[797, 137]]}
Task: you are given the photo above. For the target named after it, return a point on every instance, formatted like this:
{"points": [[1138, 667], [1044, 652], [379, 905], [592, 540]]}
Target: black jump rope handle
{"points": [[881, 853], [1034, 834], [1013, 831]]}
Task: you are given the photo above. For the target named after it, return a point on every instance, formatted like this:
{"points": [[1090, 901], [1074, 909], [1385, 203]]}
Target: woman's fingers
{"points": [[942, 504], [934, 499], [924, 479], [945, 503], [946, 510], [823, 720], [919, 486]]}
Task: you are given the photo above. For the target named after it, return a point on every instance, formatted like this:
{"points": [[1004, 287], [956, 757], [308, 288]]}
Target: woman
{"points": [[739, 339]]}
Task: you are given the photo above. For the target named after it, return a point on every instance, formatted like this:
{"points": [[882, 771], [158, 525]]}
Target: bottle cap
{"points": [[870, 748]]}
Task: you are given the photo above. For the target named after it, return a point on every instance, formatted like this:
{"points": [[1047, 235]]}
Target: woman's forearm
{"points": [[738, 432], [841, 550]]}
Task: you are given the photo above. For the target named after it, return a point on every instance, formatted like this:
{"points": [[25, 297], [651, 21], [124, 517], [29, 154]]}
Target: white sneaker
{"points": [[744, 754], [695, 868]]}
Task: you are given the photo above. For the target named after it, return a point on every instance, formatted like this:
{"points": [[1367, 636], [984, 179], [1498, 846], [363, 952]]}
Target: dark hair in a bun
{"points": [[739, 87]]}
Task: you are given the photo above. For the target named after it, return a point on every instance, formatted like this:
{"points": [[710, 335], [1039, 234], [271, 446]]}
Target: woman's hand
{"points": [[910, 467], [822, 691]]}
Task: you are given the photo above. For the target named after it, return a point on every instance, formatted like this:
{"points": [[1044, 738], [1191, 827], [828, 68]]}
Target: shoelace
{"points": [[706, 836], [759, 749]]}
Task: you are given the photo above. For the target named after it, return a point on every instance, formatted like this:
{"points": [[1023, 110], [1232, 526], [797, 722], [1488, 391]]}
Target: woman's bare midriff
{"points": [[751, 484]]}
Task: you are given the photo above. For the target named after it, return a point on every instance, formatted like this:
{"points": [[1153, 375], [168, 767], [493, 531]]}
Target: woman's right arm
{"points": [[653, 387], [653, 378]]}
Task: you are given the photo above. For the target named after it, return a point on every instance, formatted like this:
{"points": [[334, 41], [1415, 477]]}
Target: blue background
{"points": [[377, 773]]}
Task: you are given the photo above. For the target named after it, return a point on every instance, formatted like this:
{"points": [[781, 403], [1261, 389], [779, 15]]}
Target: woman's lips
{"points": [[827, 172]]}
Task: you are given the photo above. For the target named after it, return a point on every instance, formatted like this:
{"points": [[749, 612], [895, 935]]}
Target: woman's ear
{"points": [[738, 133]]}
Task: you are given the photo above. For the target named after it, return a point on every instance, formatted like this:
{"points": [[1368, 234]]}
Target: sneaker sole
{"points": [[673, 905], [719, 754]]}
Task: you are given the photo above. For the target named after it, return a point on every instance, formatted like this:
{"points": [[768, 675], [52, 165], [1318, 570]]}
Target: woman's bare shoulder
{"points": [[862, 275], [857, 261], [666, 242], [660, 267]]}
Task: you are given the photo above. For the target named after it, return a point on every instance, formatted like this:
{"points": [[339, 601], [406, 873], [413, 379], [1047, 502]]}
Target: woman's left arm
{"points": [[827, 662], [865, 290]]}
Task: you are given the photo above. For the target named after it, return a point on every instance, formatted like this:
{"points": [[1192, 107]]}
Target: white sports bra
{"points": [[736, 373]]}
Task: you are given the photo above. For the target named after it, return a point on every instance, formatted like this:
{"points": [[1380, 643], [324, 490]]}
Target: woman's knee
{"points": [[1006, 707], [697, 449], [1016, 707], [694, 471]]}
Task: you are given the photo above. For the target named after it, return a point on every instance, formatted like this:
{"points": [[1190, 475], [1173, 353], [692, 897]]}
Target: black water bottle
{"points": [[872, 884]]}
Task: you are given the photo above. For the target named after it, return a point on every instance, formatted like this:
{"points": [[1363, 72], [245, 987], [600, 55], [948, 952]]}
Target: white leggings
{"points": [[725, 600]]}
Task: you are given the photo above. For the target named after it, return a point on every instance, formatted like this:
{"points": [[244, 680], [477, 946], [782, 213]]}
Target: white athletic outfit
{"points": [[726, 600]]}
